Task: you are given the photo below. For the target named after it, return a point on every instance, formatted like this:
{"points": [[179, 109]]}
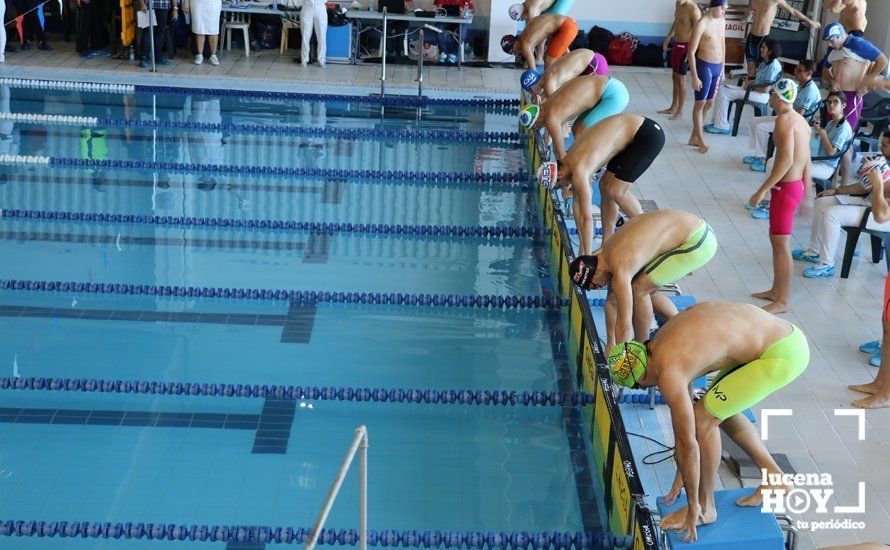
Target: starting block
{"points": [[737, 527]]}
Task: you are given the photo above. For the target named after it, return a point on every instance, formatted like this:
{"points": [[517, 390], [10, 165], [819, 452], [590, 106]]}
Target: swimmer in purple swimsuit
{"points": [[707, 50]]}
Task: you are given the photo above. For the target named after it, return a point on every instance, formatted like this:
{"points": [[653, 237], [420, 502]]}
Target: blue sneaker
{"points": [[164, 61], [758, 167], [143, 63], [871, 348], [874, 360], [711, 129], [452, 59], [754, 160], [761, 213], [820, 270], [803, 255], [86, 54], [101, 53], [762, 204]]}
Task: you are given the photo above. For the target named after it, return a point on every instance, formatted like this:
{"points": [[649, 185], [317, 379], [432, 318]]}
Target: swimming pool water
{"points": [[241, 461]]}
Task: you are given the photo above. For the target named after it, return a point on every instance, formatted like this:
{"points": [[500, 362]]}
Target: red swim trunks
{"points": [[784, 200], [886, 317], [678, 58], [560, 42]]}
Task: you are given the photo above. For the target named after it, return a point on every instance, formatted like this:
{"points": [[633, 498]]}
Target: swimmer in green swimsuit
{"points": [[754, 355], [648, 252]]}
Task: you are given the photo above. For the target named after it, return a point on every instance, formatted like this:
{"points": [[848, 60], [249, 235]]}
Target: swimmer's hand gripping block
{"points": [[737, 527]]}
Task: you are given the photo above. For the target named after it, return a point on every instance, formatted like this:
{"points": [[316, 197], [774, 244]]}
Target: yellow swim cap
{"points": [[627, 363]]}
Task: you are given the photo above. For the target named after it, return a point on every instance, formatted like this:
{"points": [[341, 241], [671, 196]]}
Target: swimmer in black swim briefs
{"points": [[627, 145]]}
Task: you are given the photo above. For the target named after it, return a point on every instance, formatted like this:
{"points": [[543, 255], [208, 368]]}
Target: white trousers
{"points": [[821, 170], [728, 93], [828, 217], [759, 129], [314, 16], [2, 30]]}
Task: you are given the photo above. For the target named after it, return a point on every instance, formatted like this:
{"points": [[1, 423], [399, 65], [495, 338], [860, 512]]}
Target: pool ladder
{"points": [[383, 55], [359, 445]]}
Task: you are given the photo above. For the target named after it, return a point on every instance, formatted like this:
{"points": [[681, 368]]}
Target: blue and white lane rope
{"points": [[512, 179], [129, 89], [475, 540], [303, 393], [514, 139], [482, 231], [295, 296]]}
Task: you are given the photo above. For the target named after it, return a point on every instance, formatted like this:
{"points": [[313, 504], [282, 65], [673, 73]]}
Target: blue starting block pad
{"points": [[737, 527]]}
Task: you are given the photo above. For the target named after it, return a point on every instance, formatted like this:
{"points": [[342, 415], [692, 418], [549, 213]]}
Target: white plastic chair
{"points": [[237, 21]]}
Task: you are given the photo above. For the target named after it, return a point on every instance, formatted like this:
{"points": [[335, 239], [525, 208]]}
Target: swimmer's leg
{"points": [[782, 273], [698, 115], [619, 190], [681, 96], [675, 94], [880, 387], [611, 311], [549, 61], [642, 288], [663, 306], [608, 208], [743, 433]]}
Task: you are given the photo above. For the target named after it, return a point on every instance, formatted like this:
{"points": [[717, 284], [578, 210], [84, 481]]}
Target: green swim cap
{"points": [[627, 362]]}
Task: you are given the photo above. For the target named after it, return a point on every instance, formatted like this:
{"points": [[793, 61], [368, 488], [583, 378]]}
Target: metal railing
{"points": [[359, 445], [384, 53], [420, 67], [383, 56]]}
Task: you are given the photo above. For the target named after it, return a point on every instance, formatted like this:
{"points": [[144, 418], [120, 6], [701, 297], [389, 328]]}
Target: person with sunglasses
{"points": [[754, 354], [650, 251]]}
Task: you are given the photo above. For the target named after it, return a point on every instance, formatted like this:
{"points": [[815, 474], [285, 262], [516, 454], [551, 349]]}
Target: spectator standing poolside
{"points": [[31, 27], [2, 31], [92, 38], [448, 45], [789, 178], [769, 70], [686, 15], [164, 10], [314, 18], [852, 62], [707, 51], [205, 24], [808, 98]]}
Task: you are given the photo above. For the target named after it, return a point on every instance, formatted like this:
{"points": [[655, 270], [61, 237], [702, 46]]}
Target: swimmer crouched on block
{"points": [[650, 251], [753, 353], [560, 29], [627, 144], [582, 62]]}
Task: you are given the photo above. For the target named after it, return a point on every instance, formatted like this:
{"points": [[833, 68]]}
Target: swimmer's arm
{"points": [[554, 128], [620, 286], [667, 39], [796, 14], [877, 67], [880, 208], [581, 189], [529, 53], [686, 444], [694, 40]]}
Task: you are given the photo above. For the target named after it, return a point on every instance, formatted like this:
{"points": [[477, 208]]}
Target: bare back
{"points": [[764, 15], [596, 145], [540, 28], [793, 126], [533, 8], [711, 336], [567, 67], [647, 236], [712, 44], [575, 97], [852, 16], [686, 15]]}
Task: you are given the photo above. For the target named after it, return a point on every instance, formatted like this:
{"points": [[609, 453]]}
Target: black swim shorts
{"points": [[637, 157], [752, 48]]}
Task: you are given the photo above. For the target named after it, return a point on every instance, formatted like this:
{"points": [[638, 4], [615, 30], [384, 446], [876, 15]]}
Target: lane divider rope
{"points": [[297, 296], [65, 85], [485, 231], [342, 537], [387, 100], [514, 139], [515, 179], [640, 398], [303, 393]]}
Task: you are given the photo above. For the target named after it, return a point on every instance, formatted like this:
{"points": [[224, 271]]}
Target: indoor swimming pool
{"points": [[76, 215]]}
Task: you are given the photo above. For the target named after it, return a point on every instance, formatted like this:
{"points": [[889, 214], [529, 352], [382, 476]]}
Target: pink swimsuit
{"points": [[784, 200]]}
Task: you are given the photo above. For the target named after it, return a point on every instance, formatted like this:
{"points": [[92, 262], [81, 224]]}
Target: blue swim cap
{"points": [[528, 79], [834, 30]]}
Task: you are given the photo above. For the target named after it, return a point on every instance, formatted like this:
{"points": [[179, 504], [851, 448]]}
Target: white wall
{"points": [[878, 31], [647, 17]]}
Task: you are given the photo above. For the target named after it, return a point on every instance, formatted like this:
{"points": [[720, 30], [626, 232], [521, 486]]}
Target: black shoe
{"points": [[10, 48], [26, 46], [42, 45]]}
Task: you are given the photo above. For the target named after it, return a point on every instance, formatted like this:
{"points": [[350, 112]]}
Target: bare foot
{"points": [[676, 115], [703, 149], [870, 388], [693, 141], [876, 401], [776, 307], [668, 111], [755, 499], [677, 518], [766, 295]]}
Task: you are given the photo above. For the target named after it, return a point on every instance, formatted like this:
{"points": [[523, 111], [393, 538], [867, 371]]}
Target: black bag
{"points": [[337, 17], [267, 36], [599, 39], [649, 56], [580, 41]]}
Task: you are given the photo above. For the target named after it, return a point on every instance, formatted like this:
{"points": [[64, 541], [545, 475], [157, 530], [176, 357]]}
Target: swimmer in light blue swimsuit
{"points": [[560, 7]]}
